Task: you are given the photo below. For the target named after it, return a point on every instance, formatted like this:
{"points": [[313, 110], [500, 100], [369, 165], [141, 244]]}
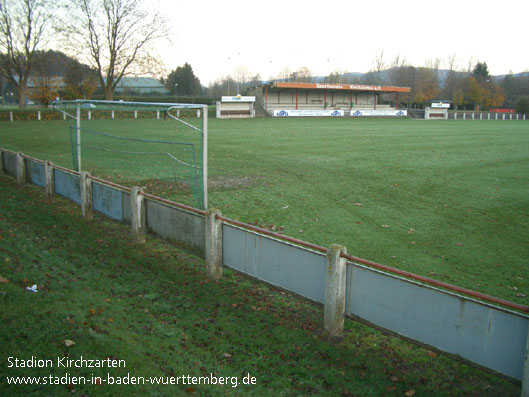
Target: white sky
{"points": [[215, 37]]}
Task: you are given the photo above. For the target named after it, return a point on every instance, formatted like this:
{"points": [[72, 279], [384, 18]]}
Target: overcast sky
{"points": [[216, 37]]}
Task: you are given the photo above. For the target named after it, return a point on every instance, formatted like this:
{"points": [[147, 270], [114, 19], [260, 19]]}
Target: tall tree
{"points": [[451, 81], [23, 25], [481, 72], [284, 74], [338, 76], [378, 66], [396, 75], [118, 36], [480, 90], [303, 74], [80, 80], [426, 85], [522, 105], [183, 82], [45, 80]]}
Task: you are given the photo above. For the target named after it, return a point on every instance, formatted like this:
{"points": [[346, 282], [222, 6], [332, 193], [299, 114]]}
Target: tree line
{"points": [[113, 38], [109, 39]]}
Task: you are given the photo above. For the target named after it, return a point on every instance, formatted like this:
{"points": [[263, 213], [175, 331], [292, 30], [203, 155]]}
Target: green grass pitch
{"points": [[444, 199]]}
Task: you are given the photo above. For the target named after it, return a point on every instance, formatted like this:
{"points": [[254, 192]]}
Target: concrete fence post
{"points": [[137, 219], [333, 314], [38, 115], [86, 195], [89, 115], [1, 163], [48, 179], [525, 375], [21, 168], [11, 116], [213, 244]]}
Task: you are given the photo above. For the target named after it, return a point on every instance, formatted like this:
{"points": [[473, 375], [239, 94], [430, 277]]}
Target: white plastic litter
{"points": [[33, 288]]}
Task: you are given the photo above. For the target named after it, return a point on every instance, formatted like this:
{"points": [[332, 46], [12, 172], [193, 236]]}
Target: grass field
{"points": [[150, 306], [444, 199]]}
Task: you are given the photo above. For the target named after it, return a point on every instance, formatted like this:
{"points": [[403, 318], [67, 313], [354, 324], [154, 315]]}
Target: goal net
{"points": [[161, 146]]}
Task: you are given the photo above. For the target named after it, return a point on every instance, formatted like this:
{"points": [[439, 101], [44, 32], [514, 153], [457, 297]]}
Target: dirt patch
{"points": [[227, 182]]}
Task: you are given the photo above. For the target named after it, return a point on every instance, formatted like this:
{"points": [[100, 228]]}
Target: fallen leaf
{"points": [[394, 379], [190, 389], [3, 280], [110, 320], [92, 311], [227, 355], [409, 393], [68, 342], [431, 354]]}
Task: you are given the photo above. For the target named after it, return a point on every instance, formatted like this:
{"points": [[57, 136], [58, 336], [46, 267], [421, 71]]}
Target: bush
{"points": [[522, 105], [162, 99]]}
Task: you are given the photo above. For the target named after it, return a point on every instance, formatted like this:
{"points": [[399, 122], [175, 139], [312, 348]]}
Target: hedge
{"points": [[50, 114]]}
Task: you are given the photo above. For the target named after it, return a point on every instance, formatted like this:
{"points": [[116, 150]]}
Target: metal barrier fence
{"points": [[484, 330], [466, 115]]}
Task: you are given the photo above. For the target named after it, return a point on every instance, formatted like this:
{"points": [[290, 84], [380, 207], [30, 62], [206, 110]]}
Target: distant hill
{"points": [[384, 75]]}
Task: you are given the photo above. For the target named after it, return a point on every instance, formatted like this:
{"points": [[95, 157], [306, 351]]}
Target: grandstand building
{"points": [[324, 99]]}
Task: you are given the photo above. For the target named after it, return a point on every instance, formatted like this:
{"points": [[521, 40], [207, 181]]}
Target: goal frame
{"points": [[168, 107]]}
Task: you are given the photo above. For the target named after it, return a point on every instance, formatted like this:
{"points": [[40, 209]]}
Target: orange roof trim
{"points": [[348, 87]]}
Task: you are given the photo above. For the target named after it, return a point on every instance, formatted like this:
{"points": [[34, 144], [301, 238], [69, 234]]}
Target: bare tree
{"points": [[451, 81], [452, 63], [117, 37], [395, 72], [303, 74], [241, 76], [378, 66], [22, 28], [284, 74], [338, 76]]}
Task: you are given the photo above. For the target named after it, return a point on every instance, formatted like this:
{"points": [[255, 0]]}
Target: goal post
{"points": [[84, 140]]}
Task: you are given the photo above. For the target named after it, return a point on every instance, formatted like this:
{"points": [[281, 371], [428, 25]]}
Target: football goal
{"points": [[168, 145]]}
